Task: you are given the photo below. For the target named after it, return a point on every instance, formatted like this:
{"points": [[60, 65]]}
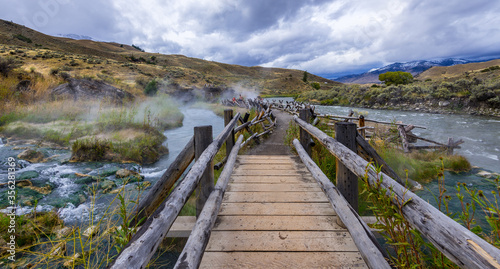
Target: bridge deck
{"points": [[274, 215]]}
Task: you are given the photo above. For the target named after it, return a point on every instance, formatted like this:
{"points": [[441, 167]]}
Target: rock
{"points": [[107, 185], [487, 174], [91, 231], [43, 190], [108, 172], [31, 156], [58, 250], [125, 173], [63, 232], [73, 261], [24, 183], [128, 176], [443, 103], [143, 185], [28, 175], [90, 89]]}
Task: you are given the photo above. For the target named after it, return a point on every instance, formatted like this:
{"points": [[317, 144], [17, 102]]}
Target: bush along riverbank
{"points": [[467, 96]]}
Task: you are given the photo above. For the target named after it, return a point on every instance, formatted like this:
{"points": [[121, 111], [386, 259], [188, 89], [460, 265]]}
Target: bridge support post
{"points": [[228, 116], [305, 137], [202, 139], [347, 182]]}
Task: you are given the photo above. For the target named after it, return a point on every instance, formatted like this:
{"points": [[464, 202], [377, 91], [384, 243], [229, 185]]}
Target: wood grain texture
{"points": [[299, 260], [280, 241], [277, 209], [274, 197], [290, 179], [267, 187], [277, 223]]}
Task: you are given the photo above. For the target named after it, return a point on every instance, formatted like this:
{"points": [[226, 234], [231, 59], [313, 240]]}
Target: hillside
{"points": [[125, 65], [461, 70]]}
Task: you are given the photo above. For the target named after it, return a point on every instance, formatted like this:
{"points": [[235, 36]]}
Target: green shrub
{"points": [[23, 38], [151, 88]]}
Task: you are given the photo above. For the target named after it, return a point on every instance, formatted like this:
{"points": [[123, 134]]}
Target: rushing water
{"points": [[66, 193]]}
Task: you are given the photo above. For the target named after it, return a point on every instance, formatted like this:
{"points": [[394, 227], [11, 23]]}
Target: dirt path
{"points": [[274, 144]]}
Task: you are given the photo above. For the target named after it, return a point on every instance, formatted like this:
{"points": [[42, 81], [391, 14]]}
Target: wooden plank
{"points": [[277, 209], [265, 187], [277, 223], [274, 197], [263, 157], [279, 166], [298, 260], [280, 241], [182, 226], [266, 173], [272, 179]]}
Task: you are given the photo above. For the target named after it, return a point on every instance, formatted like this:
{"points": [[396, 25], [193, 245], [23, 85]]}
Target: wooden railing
{"points": [[159, 209], [460, 245]]}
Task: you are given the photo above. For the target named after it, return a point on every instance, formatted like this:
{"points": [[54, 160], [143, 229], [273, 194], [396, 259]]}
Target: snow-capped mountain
{"points": [[413, 67]]}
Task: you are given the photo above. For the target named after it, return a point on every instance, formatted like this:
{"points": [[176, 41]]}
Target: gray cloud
{"points": [[323, 37]]}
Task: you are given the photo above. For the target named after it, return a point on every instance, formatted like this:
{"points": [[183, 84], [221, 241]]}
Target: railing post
{"points": [[228, 116], [347, 182], [361, 125], [202, 139], [305, 137]]}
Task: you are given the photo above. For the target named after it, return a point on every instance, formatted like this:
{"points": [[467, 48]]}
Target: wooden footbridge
{"points": [[281, 211]]}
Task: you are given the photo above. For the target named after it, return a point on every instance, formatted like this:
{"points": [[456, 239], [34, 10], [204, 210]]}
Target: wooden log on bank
{"points": [[460, 245], [380, 162], [404, 139], [162, 187], [143, 245], [364, 239], [192, 253]]}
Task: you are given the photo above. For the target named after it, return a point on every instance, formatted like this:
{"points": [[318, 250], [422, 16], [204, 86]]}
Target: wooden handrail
{"points": [[364, 239], [460, 245], [192, 253], [142, 246], [162, 187]]}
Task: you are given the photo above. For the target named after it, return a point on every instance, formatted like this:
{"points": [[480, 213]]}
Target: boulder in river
{"points": [[28, 175], [32, 156], [77, 89]]}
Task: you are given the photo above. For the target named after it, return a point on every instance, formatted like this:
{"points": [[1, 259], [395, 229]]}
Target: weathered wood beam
{"points": [[364, 239], [202, 139], [460, 245], [162, 187], [192, 253], [404, 139], [380, 162], [347, 182], [142, 246]]}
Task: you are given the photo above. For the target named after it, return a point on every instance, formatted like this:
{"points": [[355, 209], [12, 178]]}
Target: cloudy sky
{"points": [[328, 38]]}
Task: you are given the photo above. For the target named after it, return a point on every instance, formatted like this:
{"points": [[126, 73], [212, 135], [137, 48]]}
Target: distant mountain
{"points": [[414, 67], [76, 37]]}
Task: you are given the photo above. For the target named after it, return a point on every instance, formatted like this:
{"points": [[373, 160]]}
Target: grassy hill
{"points": [[123, 65], [478, 70]]}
